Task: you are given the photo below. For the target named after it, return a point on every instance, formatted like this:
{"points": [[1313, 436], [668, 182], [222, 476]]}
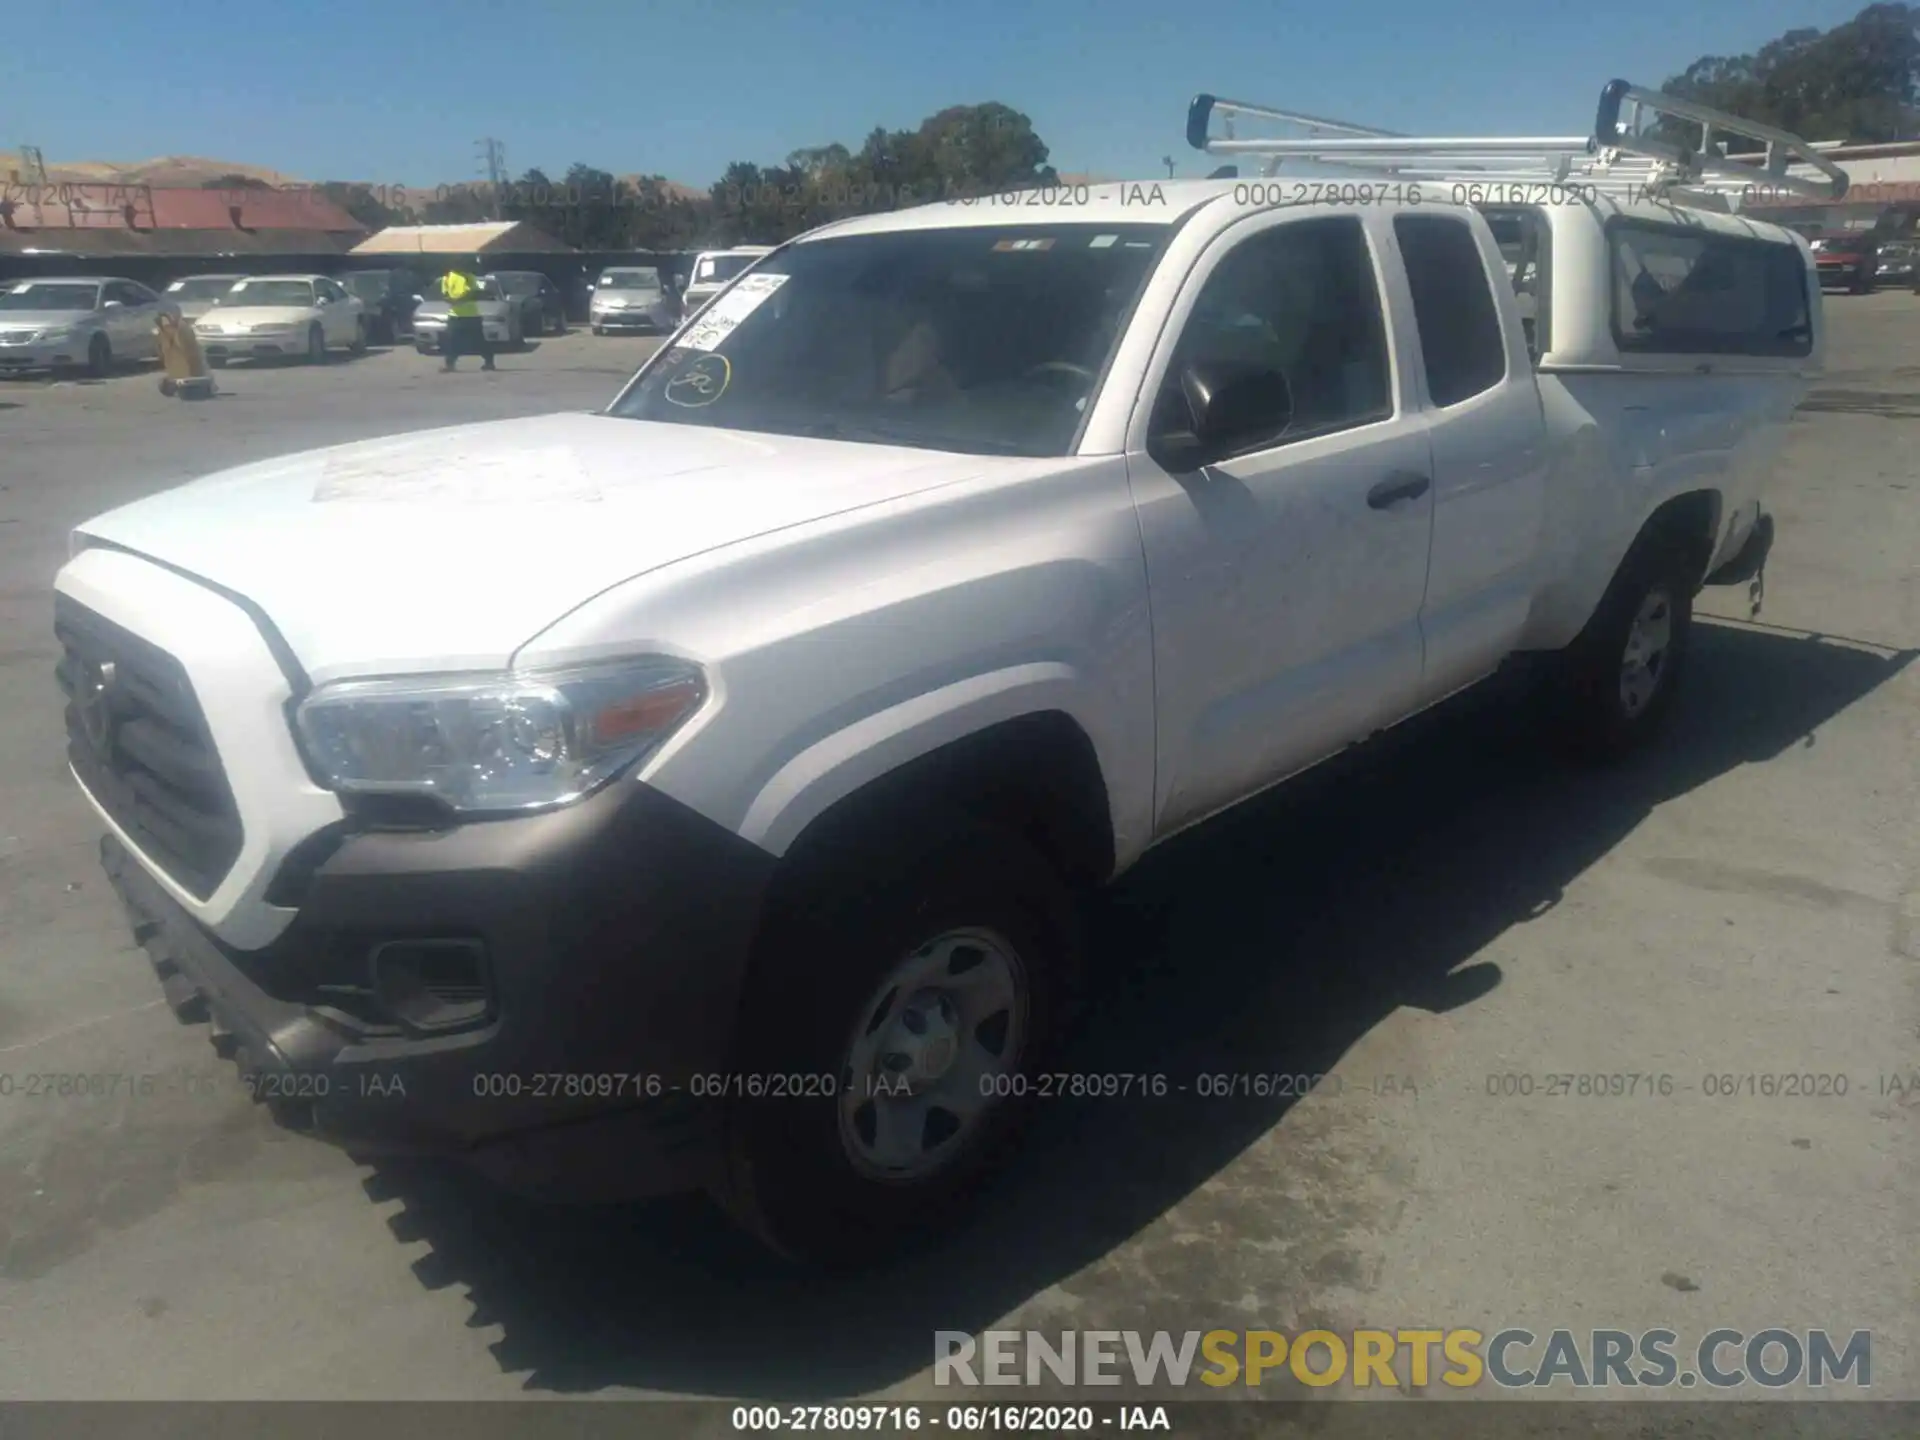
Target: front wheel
{"points": [[1619, 680], [904, 1053], [316, 345], [99, 357]]}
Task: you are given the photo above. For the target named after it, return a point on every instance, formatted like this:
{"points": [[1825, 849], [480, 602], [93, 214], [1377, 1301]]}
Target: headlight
{"points": [[497, 742]]}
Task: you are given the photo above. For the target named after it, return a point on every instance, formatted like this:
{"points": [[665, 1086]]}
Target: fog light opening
{"points": [[432, 985]]}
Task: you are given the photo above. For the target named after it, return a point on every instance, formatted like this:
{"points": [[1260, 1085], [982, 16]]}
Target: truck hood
{"points": [[450, 549]]}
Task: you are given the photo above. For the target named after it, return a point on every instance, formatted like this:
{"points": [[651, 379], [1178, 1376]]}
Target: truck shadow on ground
{"points": [[1269, 942]]}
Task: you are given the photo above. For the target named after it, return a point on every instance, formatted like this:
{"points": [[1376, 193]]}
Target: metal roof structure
{"points": [[508, 237]]}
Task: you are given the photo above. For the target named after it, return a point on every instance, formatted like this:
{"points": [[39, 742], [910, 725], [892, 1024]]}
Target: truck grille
{"points": [[138, 740]]}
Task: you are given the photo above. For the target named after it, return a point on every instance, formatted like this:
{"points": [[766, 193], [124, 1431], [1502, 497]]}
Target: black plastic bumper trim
{"points": [[1752, 558], [617, 934]]}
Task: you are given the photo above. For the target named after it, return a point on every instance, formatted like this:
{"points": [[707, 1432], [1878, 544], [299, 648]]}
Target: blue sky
{"points": [[398, 93]]}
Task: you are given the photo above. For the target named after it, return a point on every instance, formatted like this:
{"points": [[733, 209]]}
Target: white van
{"points": [[714, 269]]}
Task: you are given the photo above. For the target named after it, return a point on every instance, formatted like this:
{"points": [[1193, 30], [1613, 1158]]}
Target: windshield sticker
{"points": [[701, 383], [1100, 242], [1024, 245], [719, 319]]}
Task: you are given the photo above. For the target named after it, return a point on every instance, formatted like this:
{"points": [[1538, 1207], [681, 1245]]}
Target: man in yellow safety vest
{"points": [[466, 333]]}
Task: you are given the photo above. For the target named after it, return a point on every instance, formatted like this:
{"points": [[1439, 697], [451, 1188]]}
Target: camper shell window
{"points": [[1525, 238], [1679, 291]]}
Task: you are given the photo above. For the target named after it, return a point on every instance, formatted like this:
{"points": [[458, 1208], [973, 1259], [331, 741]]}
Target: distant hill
{"points": [[166, 170], [196, 170]]}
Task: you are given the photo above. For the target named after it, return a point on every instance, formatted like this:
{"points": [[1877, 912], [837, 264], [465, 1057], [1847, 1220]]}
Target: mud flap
{"points": [[1756, 592]]}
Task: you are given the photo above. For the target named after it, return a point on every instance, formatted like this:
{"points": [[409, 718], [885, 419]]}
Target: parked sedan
{"points": [[632, 298], [1895, 262], [197, 294], [273, 315], [78, 322], [500, 317]]}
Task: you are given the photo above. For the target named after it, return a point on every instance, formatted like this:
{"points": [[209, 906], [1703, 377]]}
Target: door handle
{"points": [[1402, 485]]}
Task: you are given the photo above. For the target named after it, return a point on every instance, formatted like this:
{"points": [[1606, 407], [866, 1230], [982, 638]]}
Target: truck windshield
{"points": [[977, 340]]}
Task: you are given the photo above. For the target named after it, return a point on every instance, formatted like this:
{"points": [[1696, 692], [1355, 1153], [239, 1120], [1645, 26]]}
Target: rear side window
{"points": [[1453, 305], [1683, 292]]}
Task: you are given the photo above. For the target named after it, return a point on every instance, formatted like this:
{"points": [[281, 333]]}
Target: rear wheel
{"points": [[1619, 680], [900, 1001], [359, 343]]}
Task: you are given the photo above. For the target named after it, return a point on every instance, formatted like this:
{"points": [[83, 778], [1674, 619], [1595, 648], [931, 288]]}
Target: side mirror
{"points": [[1234, 405], [113, 305]]}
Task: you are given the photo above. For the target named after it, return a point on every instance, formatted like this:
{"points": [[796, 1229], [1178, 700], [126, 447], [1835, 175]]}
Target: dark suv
{"points": [[389, 297], [543, 308]]}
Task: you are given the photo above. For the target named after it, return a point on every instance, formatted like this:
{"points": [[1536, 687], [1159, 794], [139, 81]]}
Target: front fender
{"points": [[829, 771]]}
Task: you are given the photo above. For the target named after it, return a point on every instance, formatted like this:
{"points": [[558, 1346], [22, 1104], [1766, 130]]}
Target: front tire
{"points": [[1620, 679], [921, 987], [99, 358], [316, 346]]}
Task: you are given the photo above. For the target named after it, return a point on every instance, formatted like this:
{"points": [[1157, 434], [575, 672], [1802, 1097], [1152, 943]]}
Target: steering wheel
{"points": [[1062, 367]]}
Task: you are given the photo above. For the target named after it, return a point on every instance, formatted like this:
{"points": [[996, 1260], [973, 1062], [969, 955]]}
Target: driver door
{"points": [[336, 312], [130, 321], [1286, 580]]}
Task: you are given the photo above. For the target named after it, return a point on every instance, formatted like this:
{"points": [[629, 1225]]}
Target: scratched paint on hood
{"points": [[469, 478]]}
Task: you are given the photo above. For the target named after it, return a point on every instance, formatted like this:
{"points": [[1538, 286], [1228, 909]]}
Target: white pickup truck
{"points": [[693, 793]]}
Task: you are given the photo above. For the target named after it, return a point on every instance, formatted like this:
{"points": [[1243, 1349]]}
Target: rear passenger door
{"points": [[1286, 580], [1488, 438]]}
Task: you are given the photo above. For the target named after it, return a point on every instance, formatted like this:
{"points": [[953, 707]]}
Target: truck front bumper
{"points": [[1751, 559], [601, 952]]}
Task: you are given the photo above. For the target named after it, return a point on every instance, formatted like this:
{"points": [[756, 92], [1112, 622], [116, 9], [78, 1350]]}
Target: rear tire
{"points": [[1618, 682], [359, 343], [974, 930]]}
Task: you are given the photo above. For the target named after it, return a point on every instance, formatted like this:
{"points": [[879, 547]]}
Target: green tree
{"points": [[363, 203], [1859, 81], [459, 205], [962, 150]]}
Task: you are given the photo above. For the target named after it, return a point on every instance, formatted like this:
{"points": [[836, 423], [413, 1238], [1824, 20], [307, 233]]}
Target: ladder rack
{"points": [[1638, 147]]}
